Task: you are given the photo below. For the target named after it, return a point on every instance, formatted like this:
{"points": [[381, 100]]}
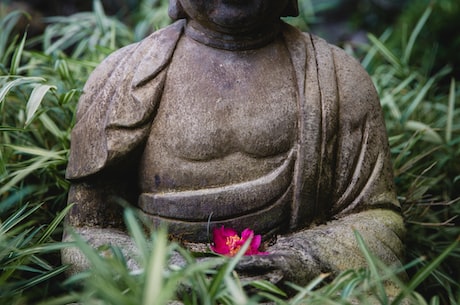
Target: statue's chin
{"points": [[235, 1], [227, 22], [234, 16], [238, 14], [246, 26]]}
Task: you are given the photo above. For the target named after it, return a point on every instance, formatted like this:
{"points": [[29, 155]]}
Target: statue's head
{"points": [[232, 13]]}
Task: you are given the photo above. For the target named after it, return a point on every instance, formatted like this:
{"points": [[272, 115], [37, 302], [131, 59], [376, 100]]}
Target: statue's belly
{"points": [[262, 204]]}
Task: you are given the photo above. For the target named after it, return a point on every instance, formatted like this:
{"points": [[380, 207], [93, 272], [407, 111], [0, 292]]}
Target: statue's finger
{"points": [[257, 262]]}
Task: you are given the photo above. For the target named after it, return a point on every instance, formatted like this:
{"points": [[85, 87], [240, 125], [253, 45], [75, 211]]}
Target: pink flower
{"points": [[227, 242]]}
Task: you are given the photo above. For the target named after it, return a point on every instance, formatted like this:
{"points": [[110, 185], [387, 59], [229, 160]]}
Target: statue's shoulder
{"points": [[341, 59], [155, 45], [308, 46], [130, 65], [355, 85], [356, 88], [326, 51]]}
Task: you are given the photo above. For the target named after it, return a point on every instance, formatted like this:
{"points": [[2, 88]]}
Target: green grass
{"points": [[421, 104], [41, 79]]}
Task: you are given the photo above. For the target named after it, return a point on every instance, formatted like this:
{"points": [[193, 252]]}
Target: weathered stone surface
{"points": [[231, 117], [98, 237]]}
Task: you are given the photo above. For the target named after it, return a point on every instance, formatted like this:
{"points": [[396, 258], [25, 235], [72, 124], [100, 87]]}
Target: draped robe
{"points": [[342, 177]]}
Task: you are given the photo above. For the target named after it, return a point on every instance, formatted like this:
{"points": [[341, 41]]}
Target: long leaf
{"points": [[387, 53], [373, 50], [304, 291], [7, 24], [428, 133], [35, 99], [426, 271], [37, 151], [418, 99], [450, 111], [413, 37], [372, 263], [154, 284], [226, 269], [16, 218], [51, 126], [15, 197], [54, 224], [19, 175], [21, 286], [16, 60], [18, 81], [138, 235]]}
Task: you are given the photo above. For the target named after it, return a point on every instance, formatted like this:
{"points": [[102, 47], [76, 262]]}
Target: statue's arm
{"points": [[113, 121], [332, 247], [363, 196], [360, 197], [97, 183]]}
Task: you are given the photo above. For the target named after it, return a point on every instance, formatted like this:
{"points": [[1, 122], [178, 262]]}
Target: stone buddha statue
{"points": [[232, 117]]}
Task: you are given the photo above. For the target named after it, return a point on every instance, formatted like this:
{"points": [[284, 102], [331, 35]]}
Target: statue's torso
{"points": [[225, 117]]}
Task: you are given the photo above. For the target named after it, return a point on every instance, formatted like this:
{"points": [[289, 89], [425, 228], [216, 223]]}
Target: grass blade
{"points": [[226, 270], [137, 234], [413, 37], [154, 282], [16, 60], [417, 100], [17, 82], [372, 264], [387, 53], [428, 133], [426, 271], [35, 99], [450, 111]]}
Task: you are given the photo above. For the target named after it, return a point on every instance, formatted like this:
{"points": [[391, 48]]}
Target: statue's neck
{"points": [[232, 41]]}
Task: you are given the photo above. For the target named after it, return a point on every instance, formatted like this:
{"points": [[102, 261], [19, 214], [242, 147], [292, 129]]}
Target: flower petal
{"points": [[247, 234], [220, 240]]}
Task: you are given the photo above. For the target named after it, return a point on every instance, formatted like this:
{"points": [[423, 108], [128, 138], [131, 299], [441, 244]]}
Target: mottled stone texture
{"points": [[257, 125]]}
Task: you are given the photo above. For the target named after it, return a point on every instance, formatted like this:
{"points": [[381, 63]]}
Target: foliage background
{"points": [[412, 55]]}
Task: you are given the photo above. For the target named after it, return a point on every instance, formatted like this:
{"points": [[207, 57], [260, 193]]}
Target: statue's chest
{"points": [[217, 103]]}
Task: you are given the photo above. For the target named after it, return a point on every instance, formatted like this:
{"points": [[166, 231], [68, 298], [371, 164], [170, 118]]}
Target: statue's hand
{"points": [[279, 266], [270, 267]]}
